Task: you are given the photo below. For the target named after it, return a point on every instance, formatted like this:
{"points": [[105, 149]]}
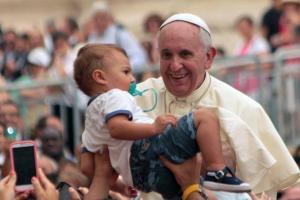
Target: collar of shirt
{"points": [[180, 106]]}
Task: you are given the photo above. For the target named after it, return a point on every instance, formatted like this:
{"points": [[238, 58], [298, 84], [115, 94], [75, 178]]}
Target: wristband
{"points": [[189, 190], [194, 188]]}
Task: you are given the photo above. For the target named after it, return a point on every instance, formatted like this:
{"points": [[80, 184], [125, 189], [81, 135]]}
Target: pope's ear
{"points": [[210, 55], [98, 76]]}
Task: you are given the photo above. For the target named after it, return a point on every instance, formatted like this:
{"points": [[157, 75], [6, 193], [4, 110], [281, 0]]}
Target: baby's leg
{"points": [[208, 138], [218, 176]]}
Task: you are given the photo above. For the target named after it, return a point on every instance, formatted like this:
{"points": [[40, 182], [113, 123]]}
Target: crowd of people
{"points": [[180, 50], [276, 31]]}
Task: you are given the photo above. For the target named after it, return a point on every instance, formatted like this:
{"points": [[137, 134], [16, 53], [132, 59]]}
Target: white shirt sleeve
{"points": [[118, 102]]}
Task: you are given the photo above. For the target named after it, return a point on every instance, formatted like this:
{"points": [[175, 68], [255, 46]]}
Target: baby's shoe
{"points": [[225, 180]]}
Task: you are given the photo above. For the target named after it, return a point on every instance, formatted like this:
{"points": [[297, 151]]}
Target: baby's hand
{"points": [[162, 121]]}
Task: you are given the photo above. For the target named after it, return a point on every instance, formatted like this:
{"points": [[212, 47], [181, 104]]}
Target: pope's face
{"points": [[183, 58]]}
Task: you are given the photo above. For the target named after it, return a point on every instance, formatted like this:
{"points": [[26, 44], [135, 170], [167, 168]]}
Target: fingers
{"points": [[171, 119], [87, 163], [262, 197], [83, 190], [5, 180], [168, 164], [173, 123], [42, 177], [74, 194], [167, 119], [22, 196], [265, 197], [11, 182], [104, 157], [37, 186], [186, 173], [102, 163], [117, 195], [105, 150], [253, 196], [198, 159]]}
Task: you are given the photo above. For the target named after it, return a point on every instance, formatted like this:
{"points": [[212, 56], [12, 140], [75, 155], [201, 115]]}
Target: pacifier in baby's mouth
{"points": [[134, 92]]}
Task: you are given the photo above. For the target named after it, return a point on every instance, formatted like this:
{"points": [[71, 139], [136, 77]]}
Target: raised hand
{"points": [[162, 121]]}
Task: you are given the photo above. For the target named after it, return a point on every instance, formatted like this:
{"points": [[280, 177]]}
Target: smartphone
{"points": [[24, 162]]}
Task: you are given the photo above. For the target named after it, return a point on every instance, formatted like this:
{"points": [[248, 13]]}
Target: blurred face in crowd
{"points": [[36, 71], [64, 27], [245, 28], [52, 143], [153, 26], [61, 46], [22, 44], [102, 20], [152, 23], [184, 58], [291, 13], [48, 121], [9, 115], [2, 138], [276, 4], [55, 122], [1, 130], [36, 38]]}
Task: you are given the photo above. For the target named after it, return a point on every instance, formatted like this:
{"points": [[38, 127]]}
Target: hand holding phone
{"points": [[24, 162], [43, 188]]}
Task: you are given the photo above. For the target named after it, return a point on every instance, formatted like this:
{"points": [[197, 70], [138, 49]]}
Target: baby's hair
{"points": [[89, 58]]}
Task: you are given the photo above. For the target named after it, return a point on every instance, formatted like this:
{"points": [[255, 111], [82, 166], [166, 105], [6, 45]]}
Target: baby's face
{"points": [[118, 72]]}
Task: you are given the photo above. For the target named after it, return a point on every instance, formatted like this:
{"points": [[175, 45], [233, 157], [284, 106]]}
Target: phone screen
{"points": [[24, 164]]}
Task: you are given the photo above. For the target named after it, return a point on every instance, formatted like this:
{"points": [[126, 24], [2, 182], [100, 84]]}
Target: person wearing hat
{"points": [[38, 61], [108, 31], [186, 54]]}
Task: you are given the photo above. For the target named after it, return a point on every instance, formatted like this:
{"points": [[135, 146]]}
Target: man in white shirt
{"points": [[186, 54], [108, 31]]}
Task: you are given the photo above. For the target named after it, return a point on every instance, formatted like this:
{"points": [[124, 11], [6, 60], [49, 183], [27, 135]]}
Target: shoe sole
{"points": [[225, 187]]}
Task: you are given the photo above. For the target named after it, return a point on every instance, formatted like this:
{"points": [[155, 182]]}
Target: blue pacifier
{"points": [[134, 92]]}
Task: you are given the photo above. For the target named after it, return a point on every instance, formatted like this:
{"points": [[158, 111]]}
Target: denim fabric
{"points": [[177, 144]]}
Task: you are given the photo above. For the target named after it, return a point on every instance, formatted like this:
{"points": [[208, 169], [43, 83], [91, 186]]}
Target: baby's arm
{"points": [[120, 127]]}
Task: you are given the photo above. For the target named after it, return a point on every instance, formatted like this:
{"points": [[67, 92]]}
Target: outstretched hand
{"points": [[103, 176], [7, 187], [43, 188], [262, 197], [162, 121], [76, 194], [187, 173]]}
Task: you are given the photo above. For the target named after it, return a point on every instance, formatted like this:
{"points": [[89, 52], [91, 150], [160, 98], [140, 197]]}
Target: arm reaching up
{"points": [[120, 127]]}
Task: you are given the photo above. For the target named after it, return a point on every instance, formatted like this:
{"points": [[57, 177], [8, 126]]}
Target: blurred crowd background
{"points": [[132, 13], [257, 53]]}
